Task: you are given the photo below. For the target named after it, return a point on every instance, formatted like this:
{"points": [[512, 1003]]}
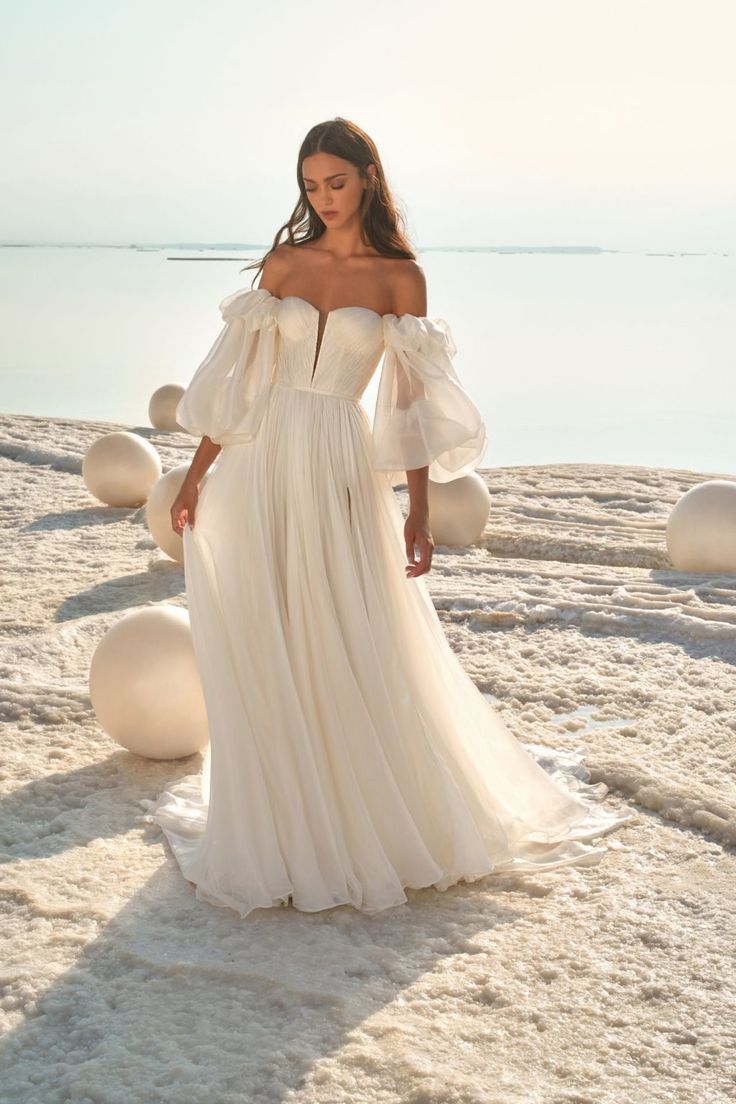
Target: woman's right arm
{"points": [[206, 452], [184, 506]]}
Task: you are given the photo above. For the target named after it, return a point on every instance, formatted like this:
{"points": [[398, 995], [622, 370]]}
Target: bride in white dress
{"points": [[351, 756]]}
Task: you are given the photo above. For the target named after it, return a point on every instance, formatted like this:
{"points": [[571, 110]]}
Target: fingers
{"points": [[179, 517], [424, 563], [420, 567]]}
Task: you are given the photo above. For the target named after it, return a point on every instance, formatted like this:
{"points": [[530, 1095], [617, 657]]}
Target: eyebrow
{"points": [[332, 177]]}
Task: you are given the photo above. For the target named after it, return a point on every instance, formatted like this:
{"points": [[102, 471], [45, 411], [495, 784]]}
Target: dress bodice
{"points": [[423, 415], [350, 348]]}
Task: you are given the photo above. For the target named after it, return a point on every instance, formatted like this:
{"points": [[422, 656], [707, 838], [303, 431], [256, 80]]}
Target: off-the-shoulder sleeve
{"points": [[227, 395], [423, 415]]}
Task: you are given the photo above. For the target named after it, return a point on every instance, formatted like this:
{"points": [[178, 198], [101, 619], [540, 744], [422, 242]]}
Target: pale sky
{"points": [[567, 122]]}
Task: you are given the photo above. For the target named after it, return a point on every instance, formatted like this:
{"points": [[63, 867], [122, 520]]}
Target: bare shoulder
{"points": [[409, 288], [277, 267]]}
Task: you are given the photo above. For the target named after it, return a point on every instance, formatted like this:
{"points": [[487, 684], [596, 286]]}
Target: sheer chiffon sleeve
{"points": [[424, 416], [227, 395]]}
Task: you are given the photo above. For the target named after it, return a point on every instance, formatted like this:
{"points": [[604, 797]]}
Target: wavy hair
{"points": [[382, 224]]}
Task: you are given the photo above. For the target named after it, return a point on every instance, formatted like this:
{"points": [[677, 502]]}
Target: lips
{"points": [[326, 213]]}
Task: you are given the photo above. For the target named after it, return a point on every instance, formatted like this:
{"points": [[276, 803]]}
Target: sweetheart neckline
{"points": [[327, 312], [334, 310], [321, 337]]}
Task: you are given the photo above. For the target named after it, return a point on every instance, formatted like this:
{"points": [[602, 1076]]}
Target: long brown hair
{"points": [[382, 224]]}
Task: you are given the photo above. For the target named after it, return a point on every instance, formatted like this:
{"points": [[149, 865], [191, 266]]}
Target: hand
{"points": [[184, 508], [416, 532]]}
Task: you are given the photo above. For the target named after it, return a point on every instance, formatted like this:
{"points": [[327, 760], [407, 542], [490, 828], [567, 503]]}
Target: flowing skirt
{"points": [[350, 756]]}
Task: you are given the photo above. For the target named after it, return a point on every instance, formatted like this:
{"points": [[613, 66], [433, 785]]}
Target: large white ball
{"points": [[121, 468], [162, 406], [458, 510], [158, 511], [701, 528], [144, 684]]}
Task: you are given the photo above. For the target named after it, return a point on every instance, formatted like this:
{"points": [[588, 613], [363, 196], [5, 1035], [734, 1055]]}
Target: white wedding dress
{"points": [[350, 756]]}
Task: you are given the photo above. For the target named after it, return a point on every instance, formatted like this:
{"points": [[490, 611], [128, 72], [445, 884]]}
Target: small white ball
{"points": [[458, 510], [144, 684], [701, 528], [121, 468], [158, 511], [163, 404]]}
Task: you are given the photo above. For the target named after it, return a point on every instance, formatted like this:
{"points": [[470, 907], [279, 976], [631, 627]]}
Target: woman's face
{"points": [[332, 185]]}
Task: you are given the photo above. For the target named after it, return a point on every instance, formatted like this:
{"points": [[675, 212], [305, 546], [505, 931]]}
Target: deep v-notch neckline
{"points": [[320, 338]]}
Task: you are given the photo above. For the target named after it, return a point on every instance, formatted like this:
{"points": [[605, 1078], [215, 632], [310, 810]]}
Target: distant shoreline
{"points": [[229, 248], [153, 247]]}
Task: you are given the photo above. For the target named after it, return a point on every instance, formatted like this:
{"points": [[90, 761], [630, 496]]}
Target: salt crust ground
{"points": [[612, 984]]}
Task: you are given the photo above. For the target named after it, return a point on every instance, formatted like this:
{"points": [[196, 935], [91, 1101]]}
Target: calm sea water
{"points": [[572, 357]]}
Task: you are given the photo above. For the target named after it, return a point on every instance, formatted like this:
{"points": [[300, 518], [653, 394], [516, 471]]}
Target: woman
{"points": [[351, 757]]}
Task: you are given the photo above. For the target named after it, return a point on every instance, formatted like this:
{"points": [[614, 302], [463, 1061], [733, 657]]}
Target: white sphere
{"points": [[701, 528], [121, 468], [458, 510], [163, 404], [144, 684], [158, 511]]}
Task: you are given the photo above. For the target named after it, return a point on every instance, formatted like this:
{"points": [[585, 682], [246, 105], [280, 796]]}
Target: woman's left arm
{"points": [[410, 297]]}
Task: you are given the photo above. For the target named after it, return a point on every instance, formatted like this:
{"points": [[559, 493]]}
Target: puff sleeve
{"points": [[228, 393], [423, 414]]}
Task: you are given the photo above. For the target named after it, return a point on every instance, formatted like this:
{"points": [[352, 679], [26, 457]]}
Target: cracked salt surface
{"points": [[610, 984]]}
